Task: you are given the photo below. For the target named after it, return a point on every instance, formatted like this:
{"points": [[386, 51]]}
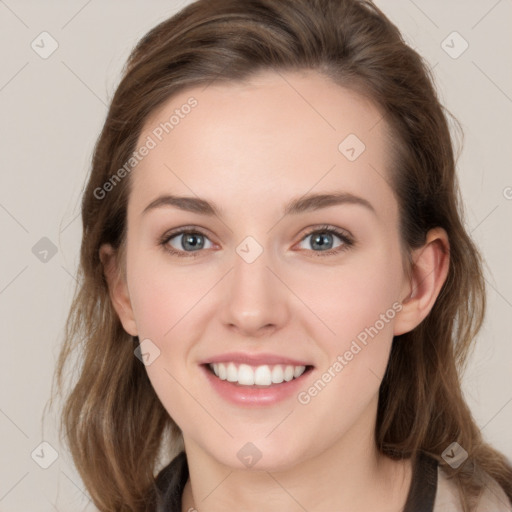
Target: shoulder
{"points": [[493, 498]]}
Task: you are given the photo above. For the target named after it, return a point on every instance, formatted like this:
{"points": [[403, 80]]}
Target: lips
{"points": [[242, 378], [255, 395]]}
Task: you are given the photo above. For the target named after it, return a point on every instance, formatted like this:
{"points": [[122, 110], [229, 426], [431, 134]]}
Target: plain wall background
{"points": [[52, 111]]}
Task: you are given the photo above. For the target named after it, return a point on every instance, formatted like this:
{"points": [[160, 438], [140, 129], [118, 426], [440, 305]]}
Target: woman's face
{"points": [[261, 277]]}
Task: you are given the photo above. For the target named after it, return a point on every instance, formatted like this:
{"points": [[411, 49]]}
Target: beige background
{"points": [[52, 111]]}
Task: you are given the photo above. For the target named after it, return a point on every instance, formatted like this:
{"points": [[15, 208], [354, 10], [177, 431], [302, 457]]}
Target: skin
{"points": [[251, 148]]}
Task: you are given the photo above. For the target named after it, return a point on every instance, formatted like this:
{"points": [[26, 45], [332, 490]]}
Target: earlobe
{"points": [[428, 274], [118, 289]]}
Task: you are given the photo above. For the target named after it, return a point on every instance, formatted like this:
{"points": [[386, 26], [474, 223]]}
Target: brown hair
{"points": [[114, 420]]}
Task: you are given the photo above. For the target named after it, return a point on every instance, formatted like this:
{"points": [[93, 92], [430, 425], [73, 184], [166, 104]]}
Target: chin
{"points": [[257, 455]]}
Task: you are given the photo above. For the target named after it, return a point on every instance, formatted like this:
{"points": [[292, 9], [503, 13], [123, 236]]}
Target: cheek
{"points": [[353, 297], [163, 294], [153, 301], [358, 302], [166, 304], [359, 305]]}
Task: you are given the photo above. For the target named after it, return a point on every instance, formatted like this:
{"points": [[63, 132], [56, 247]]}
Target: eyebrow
{"points": [[296, 206]]}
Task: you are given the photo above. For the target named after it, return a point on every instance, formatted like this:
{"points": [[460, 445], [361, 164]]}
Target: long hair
{"points": [[114, 422]]}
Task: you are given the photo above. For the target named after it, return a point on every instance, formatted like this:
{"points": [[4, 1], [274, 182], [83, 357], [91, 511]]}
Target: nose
{"points": [[255, 300]]}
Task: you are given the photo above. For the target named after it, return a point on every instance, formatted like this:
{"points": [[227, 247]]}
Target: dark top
{"points": [[172, 479]]}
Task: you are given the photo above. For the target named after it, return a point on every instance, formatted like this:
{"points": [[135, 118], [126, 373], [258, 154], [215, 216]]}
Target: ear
{"points": [[118, 288], [428, 274]]}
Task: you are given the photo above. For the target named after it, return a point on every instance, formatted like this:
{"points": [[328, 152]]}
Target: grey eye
{"points": [[189, 241], [321, 240]]}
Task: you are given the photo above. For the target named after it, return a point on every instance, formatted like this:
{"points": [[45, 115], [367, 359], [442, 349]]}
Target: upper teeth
{"points": [[263, 375]]}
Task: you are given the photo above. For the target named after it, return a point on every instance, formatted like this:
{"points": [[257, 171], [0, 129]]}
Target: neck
{"points": [[350, 475]]}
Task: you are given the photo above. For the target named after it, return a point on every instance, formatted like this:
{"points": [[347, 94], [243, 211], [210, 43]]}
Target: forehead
{"points": [[274, 136]]}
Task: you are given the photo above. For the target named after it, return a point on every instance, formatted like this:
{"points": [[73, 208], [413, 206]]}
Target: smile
{"points": [[262, 375], [245, 388]]}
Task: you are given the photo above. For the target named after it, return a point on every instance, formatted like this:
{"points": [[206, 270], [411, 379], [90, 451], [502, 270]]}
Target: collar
{"points": [[172, 479]]}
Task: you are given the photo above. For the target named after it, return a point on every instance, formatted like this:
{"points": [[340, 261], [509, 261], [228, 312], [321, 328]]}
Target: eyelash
{"points": [[342, 235]]}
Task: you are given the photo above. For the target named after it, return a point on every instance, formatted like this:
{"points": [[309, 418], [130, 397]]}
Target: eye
{"points": [[185, 242], [322, 240], [189, 241]]}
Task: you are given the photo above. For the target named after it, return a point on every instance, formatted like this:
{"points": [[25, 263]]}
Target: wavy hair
{"points": [[116, 426]]}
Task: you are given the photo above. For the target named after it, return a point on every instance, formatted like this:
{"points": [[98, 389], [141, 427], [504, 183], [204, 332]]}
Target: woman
{"points": [[277, 290]]}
